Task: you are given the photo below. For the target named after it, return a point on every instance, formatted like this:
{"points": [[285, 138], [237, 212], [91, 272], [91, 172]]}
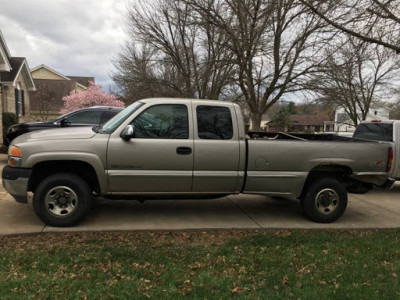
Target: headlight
{"points": [[14, 156]]}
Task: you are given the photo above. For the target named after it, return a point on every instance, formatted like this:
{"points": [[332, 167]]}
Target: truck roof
{"points": [[381, 121], [186, 100]]}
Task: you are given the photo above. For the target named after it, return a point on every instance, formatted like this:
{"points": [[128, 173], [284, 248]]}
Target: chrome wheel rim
{"points": [[326, 201], [61, 201]]}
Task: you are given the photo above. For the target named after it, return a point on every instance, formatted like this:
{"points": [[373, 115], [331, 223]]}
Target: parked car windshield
{"points": [[375, 132], [112, 124]]}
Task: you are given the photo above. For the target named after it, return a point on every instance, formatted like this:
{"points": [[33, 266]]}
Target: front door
{"points": [[159, 159]]}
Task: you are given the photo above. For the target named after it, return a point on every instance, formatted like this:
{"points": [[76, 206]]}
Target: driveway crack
{"points": [[244, 212]]}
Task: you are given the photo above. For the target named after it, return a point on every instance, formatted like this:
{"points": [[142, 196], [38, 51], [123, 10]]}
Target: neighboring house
{"points": [[51, 87], [15, 83], [310, 123], [343, 123]]}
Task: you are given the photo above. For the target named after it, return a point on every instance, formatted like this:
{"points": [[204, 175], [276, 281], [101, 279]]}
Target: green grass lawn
{"points": [[212, 265]]}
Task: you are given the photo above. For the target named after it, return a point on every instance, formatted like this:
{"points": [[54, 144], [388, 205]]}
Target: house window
{"points": [[19, 101], [43, 72]]}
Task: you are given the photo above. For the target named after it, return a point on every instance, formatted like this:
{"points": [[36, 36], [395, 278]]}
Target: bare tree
{"points": [[47, 99], [172, 54], [355, 77], [271, 43], [373, 21], [140, 76]]}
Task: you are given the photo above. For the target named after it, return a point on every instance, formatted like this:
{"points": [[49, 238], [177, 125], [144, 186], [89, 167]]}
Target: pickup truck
{"points": [[184, 148], [387, 131]]}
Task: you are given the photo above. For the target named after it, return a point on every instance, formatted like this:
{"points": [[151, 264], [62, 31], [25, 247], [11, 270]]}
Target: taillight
{"points": [[390, 160]]}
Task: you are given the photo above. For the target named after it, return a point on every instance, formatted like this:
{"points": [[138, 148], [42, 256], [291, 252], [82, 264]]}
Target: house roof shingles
{"points": [[307, 120], [82, 80], [16, 64]]}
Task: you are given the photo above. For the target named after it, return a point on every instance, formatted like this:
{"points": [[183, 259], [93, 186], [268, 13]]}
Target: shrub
{"points": [[9, 119]]}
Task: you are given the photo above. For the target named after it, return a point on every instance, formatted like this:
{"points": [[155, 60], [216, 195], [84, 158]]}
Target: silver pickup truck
{"points": [[184, 148]]}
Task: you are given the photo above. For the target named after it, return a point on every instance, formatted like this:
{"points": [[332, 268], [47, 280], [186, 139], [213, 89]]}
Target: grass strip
{"points": [[207, 265]]}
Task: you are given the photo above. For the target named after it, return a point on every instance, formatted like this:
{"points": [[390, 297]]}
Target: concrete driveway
{"points": [[376, 209]]}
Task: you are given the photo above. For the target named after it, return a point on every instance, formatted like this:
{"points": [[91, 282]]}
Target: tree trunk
{"points": [[256, 121]]}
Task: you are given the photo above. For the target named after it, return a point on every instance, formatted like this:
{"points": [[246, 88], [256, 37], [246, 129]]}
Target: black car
{"points": [[95, 115]]}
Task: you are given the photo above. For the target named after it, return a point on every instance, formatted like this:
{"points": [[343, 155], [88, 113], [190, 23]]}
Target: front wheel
{"points": [[324, 201], [62, 199]]}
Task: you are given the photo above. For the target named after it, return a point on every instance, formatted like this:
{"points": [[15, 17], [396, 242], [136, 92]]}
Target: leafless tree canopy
{"points": [[355, 77], [258, 51], [172, 54], [47, 99], [373, 21], [272, 42], [206, 48]]}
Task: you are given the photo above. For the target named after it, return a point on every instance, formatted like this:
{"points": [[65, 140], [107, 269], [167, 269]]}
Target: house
{"points": [[343, 123], [51, 87], [15, 84], [310, 123]]}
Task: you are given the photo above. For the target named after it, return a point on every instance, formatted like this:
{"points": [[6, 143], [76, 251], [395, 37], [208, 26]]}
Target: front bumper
{"points": [[15, 181]]}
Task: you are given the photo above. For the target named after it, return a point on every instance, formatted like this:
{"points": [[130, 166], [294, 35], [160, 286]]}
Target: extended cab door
{"points": [[217, 149], [159, 159]]}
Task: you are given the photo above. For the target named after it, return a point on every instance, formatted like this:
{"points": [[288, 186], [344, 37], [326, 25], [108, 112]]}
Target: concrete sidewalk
{"points": [[376, 209]]}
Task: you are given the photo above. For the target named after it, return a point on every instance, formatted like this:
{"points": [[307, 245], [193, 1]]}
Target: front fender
{"points": [[92, 159]]}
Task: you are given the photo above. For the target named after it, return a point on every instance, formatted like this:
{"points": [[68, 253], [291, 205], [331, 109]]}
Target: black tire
{"points": [[324, 200], [359, 188], [62, 199]]}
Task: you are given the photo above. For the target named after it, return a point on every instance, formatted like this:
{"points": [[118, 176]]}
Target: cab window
{"points": [[214, 122], [166, 121]]}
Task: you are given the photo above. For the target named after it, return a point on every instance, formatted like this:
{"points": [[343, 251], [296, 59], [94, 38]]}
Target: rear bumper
{"points": [[15, 181], [388, 184]]}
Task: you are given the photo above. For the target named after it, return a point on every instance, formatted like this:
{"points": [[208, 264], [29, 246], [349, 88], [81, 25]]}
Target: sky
{"points": [[73, 37]]}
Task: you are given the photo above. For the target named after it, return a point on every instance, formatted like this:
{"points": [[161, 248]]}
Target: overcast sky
{"points": [[73, 37]]}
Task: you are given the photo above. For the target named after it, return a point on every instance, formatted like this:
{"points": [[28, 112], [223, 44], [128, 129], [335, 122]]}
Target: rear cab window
{"points": [[375, 132], [214, 122]]}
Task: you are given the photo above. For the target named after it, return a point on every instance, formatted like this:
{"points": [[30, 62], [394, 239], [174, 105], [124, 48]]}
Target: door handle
{"points": [[184, 150]]}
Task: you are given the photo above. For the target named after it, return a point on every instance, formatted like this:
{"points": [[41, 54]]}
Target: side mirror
{"points": [[128, 132]]}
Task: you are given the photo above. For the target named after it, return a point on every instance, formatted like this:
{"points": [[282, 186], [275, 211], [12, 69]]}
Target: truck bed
{"points": [[279, 163], [300, 136]]}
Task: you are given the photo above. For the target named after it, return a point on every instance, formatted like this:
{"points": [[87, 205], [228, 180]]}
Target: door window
{"points": [[167, 121], [214, 122]]}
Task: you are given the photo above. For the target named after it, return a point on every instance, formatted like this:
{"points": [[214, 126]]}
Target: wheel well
{"points": [[338, 172], [45, 169]]}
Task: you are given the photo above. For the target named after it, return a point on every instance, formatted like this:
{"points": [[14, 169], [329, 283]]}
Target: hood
{"points": [[70, 133]]}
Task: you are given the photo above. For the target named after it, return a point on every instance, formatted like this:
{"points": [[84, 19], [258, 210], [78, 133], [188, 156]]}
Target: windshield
{"points": [[375, 132], [112, 124]]}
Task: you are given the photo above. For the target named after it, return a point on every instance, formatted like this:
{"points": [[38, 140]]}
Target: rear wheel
{"points": [[324, 201], [62, 199]]}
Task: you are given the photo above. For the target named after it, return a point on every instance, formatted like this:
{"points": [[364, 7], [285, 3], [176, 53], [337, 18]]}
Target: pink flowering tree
{"points": [[93, 96]]}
